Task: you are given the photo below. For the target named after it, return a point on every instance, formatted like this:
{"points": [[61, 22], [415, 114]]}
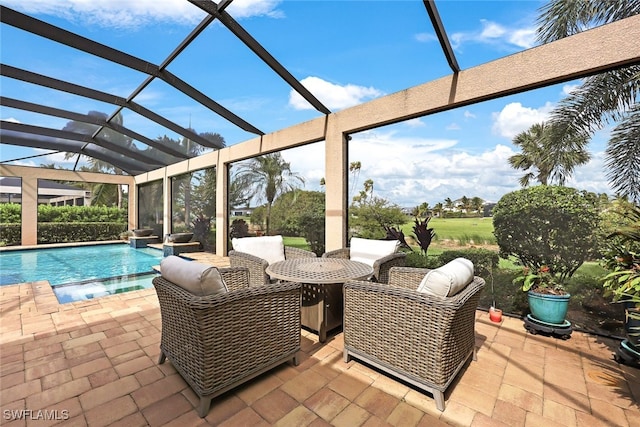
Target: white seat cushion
{"points": [[197, 278], [368, 250], [269, 248], [448, 280]]}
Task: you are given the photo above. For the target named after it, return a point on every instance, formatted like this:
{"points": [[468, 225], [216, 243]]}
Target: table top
{"points": [[319, 270]]}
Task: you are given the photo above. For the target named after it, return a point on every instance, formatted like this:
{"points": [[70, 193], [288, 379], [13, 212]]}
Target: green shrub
{"points": [[547, 225], [10, 213], [79, 232], [484, 261], [418, 260], [48, 213], [10, 234]]}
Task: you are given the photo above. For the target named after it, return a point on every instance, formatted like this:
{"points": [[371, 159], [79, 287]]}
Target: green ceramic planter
{"points": [[549, 308]]}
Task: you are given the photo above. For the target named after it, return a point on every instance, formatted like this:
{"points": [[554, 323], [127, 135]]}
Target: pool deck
{"points": [[97, 360]]}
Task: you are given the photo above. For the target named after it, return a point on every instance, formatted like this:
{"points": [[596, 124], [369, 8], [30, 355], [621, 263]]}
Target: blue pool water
{"points": [[82, 272]]}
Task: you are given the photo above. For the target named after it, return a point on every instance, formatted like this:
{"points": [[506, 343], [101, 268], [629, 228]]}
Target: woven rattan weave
{"points": [[319, 270], [421, 339], [257, 266], [220, 341], [381, 266]]}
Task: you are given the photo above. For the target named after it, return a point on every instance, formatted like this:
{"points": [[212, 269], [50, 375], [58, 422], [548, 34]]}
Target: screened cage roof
{"points": [[140, 88]]}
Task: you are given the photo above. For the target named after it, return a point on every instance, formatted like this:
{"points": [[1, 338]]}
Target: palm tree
{"points": [[269, 176], [544, 159], [610, 97], [476, 204], [438, 208]]}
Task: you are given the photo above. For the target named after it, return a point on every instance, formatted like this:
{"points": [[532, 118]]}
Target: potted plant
{"points": [[622, 259], [551, 231], [548, 299]]}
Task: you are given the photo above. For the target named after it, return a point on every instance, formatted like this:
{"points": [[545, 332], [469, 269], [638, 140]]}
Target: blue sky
{"points": [[345, 52]]}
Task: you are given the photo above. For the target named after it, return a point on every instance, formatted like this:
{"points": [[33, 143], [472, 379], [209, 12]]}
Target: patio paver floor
{"points": [[95, 363]]}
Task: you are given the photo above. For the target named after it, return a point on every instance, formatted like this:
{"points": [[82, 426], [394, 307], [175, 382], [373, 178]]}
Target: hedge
{"points": [[48, 232]]}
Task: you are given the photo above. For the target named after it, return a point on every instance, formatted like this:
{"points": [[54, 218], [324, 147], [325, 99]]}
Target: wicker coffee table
{"points": [[322, 280]]}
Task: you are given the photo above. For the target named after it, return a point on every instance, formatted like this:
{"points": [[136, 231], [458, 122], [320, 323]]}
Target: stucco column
{"points": [[29, 210], [336, 186], [222, 211]]}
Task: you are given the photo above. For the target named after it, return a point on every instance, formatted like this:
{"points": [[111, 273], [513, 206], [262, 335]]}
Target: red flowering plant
{"points": [[542, 281]]}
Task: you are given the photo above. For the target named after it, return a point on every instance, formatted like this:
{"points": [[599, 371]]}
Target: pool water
{"points": [[103, 287], [82, 272]]}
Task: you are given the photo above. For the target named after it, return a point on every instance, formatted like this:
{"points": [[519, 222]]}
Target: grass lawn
{"points": [[463, 230]]}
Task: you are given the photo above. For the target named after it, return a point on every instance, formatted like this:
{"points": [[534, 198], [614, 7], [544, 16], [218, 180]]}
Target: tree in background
{"points": [[605, 98], [438, 209], [268, 177], [371, 216], [476, 204], [301, 213], [544, 159], [421, 210]]}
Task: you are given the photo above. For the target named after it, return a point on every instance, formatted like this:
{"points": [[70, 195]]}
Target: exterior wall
{"points": [[597, 50]]}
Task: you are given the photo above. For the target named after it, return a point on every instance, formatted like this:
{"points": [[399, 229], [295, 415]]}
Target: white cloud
{"points": [[453, 126], [425, 37], [414, 123], [132, 14], [524, 38], [408, 171], [492, 33], [10, 120], [491, 30], [515, 118], [333, 96], [469, 115]]}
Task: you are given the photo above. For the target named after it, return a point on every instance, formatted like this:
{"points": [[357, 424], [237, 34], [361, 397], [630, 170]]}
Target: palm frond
{"points": [[622, 157], [599, 100], [562, 18]]}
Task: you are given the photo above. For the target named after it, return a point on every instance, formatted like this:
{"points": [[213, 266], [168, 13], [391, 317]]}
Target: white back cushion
{"points": [[197, 278], [269, 248], [368, 251], [449, 279]]}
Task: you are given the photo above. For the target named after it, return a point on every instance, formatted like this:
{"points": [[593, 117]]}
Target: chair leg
{"points": [[203, 406], [345, 356], [439, 398], [162, 358], [295, 360], [475, 354]]}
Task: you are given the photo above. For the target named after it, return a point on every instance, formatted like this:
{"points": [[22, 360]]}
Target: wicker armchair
{"points": [[218, 342], [381, 266], [257, 265], [421, 339]]}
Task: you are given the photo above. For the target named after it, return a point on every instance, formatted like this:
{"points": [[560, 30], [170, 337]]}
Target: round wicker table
{"points": [[322, 280]]}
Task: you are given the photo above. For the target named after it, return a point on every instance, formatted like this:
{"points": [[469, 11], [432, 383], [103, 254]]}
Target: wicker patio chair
{"points": [[421, 339], [381, 266], [220, 341], [257, 265]]}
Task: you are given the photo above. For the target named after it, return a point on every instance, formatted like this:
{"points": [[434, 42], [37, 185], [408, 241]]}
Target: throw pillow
{"points": [[197, 278], [369, 251], [269, 248], [448, 280]]}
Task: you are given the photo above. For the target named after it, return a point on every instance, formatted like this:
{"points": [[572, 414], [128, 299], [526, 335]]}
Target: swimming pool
{"points": [[82, 272]]}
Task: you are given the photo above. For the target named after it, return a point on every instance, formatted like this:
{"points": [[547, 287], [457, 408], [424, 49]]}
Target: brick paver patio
{"points": [[95, 363]]}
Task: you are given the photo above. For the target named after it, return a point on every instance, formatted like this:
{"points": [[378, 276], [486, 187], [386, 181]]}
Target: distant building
{"points": [[49, 193], [242, 211]]}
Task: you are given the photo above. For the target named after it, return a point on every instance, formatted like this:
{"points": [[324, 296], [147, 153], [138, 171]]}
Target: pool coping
{"points": [[59, 245]]}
